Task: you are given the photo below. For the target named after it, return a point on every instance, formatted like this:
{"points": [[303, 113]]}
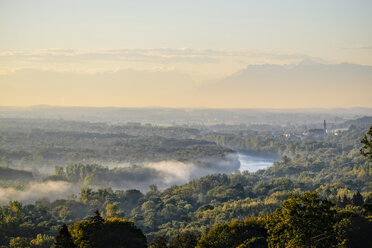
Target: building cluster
{"points": [[316, 132]]}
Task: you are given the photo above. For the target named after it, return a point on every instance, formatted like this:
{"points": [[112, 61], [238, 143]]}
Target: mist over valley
{"points": [[185, 124], [50, 158]]}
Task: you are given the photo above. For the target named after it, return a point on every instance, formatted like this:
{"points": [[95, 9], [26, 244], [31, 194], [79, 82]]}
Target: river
{"points": [[253, 163]]}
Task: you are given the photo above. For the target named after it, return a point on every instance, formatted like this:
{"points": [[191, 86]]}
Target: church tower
{"points": [[325, 127]]}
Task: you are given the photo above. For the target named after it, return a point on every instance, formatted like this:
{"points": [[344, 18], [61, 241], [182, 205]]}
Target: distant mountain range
{"points": [[305, 85], [307, 82]]}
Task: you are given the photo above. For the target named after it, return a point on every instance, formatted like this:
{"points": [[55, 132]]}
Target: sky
{"points": [[172, 53]]}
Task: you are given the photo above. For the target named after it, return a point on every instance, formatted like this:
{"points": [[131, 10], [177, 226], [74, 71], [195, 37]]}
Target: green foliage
{"points": [[304, 221], [184, 240], [19, 242], [111, 232], [358, 232], [43, 241], [366, 150], [64, 238], [357, 199], [112, 210], [231, 235], [330, 165], [65, 142], [255, 242], [159, 242]]}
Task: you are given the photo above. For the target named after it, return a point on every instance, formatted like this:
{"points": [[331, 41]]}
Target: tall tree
{"points": [[63, 238], [304, 221], [345, 201], [366, 150], [357, 199], [97, 218], [111, 233]]}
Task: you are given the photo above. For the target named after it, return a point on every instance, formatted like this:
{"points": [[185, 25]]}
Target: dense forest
{"points": [[27, 143], [317, 195]]}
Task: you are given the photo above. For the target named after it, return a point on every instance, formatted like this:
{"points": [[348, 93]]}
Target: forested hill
{"points": [[49, 142], [331, 165]]}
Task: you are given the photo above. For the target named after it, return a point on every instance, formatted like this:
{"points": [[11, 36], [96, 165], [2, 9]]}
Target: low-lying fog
{"points": [[36, 190], [163, 174]]}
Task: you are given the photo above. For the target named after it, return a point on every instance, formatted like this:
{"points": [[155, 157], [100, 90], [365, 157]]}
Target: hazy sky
{"points": [[159, 53]]}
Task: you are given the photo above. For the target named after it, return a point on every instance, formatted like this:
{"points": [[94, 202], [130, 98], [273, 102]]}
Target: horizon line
{"points": [[200, 107]]}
